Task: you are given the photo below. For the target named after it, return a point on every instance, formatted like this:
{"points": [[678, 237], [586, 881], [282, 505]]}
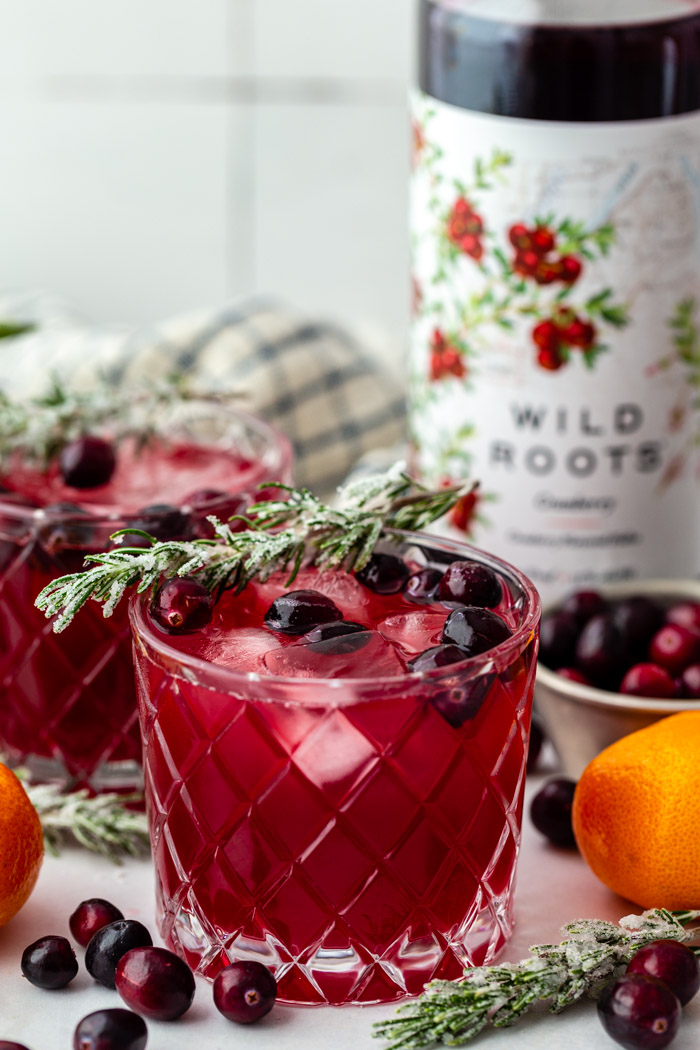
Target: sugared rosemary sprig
{"points": [[452, 1012], [282, 535]]}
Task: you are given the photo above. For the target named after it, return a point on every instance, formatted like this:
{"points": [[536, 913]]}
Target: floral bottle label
{"points": [[555, 351]]}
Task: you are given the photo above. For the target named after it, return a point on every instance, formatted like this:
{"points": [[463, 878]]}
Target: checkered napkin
{"points": [[334, 398]]}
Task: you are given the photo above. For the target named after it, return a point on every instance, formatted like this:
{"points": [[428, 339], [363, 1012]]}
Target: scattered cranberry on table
{"points": [[155, 982], [244, 992], [90, 916], [109, 944], [673, 963], [49, 962], [550, 811], [114, 1029], [639, 1012]]}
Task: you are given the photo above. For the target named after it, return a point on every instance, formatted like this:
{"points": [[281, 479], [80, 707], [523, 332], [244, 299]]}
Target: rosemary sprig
{"points": [[452, 1012], [281, 535]]}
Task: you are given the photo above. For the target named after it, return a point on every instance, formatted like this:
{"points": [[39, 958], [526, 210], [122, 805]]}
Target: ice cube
{"points": [[376, 659], [242, 650], [414, 632]]}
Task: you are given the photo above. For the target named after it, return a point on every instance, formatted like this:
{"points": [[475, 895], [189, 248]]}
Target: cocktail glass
{"points": [[67, 707], [357, 835]]}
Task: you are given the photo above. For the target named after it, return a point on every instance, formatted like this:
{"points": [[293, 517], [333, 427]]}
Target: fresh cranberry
{"points": [[384, 574], [163, 521], [298, 612], [685, 614], [558, 637], [671, 962], [422, 586], [114, 1029], [637, 618], [570, 268], [437, 656], [338, 637], [550, 811], [579, 333], [599, 652], [648, 680], [584, 605], [460, 702], [543, 240], [535, 743], [550, 359], [108, 945], [244, 992], [87, 462], [470, 583], [519, 236], [572, 675], [90, 916], [474, 630], [49, 962], [690, 682], [546, 335], [526, 262], [675, 648], [156, 983], [639, 1012], [182, 605]]}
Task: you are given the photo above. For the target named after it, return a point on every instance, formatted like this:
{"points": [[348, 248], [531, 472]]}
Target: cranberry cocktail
{"points": [[335, 767], [68, 709]]}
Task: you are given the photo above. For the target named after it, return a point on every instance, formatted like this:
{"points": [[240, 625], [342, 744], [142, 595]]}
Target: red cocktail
{"points": [[342, 803], [68, 709]]}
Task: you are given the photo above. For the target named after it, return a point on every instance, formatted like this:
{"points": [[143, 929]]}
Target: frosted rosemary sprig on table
{"points": [[282, 535], [452, 1012]]}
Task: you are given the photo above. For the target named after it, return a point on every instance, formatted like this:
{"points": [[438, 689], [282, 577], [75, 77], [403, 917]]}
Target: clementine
{"points": [[21, 845], [636, 811]]}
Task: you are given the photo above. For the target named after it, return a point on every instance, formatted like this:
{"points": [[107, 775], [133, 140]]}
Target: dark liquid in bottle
{"points": [[568, 73]]}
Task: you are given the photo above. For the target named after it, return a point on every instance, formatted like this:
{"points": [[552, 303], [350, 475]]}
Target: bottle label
{"points": [[555, 350]]}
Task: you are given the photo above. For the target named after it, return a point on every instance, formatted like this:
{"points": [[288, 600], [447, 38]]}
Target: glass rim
{"points": [[228, 677], [277, 447]]}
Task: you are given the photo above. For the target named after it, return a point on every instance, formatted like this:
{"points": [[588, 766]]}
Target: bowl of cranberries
{"points": [[616, 660]]}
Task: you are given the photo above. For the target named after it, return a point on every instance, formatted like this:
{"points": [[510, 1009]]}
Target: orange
{"points": [[21, 845], [636, 814]]}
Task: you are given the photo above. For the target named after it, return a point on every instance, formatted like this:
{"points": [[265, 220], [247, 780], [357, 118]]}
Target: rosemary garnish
{"points": [[452, 1012], [282, 535]]}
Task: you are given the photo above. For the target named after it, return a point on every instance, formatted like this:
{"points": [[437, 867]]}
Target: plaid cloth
{"points": [[333, 397]]}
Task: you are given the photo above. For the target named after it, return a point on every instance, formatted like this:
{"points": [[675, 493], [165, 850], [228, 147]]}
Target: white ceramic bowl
{"points": [[580, 720]]}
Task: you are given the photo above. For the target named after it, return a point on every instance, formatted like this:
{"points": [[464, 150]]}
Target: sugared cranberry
{"points": [[637, 618], [534, 745], [338, 637], [163, 521], [114, 1029], [298, 612], [469, 583], [671, 962], [384, 574], [422, 586], [90, 916], [550, 811], [639, 1012], [558, 637], [599, 653], [155, 983], [182, 605], [474, 630], [572, 675], [690, 682], [648, 680], [49, 962], [437, 656], [685, 614], [675, 648], [108, 945], [584, 605], [87, 462], [244, 992]]}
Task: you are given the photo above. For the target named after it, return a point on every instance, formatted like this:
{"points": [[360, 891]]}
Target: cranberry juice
{"points": [[68, 709], [318, 806]]}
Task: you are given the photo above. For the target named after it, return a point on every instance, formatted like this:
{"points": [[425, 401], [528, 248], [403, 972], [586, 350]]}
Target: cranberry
{"points": [[543, 240], [535, 745], [298, 612], [558, 637], [572, 675], [90, 916], [458, 703], [579, 333], [671, 962], [690, 682], [685, 614], [87, 462], [546, 335], [222, 504], [599, 652], [244, 992], [111, 1030], [108, 945], [639, 1012], [384, 574], [49, 962], [519, 236], [437, 656], [474, 630], [163, 521], [155, 982], [469, 583], [338, 637], [648, 680], [547, 272], [182, 605], [675, 648], [422, 586], [550, 811], [570, 268], [526, 262], [584, 605], [637, 618], [550, 359]]}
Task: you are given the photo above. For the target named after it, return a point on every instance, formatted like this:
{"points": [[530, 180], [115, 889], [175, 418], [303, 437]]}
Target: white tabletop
{"points": [[554, 887]]}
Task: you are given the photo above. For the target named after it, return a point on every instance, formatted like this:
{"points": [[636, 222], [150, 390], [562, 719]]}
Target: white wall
{"points": [[163, 154]]}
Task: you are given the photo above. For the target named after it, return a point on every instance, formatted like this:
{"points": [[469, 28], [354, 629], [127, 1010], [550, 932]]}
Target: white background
{"points": [[159, 155]]}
